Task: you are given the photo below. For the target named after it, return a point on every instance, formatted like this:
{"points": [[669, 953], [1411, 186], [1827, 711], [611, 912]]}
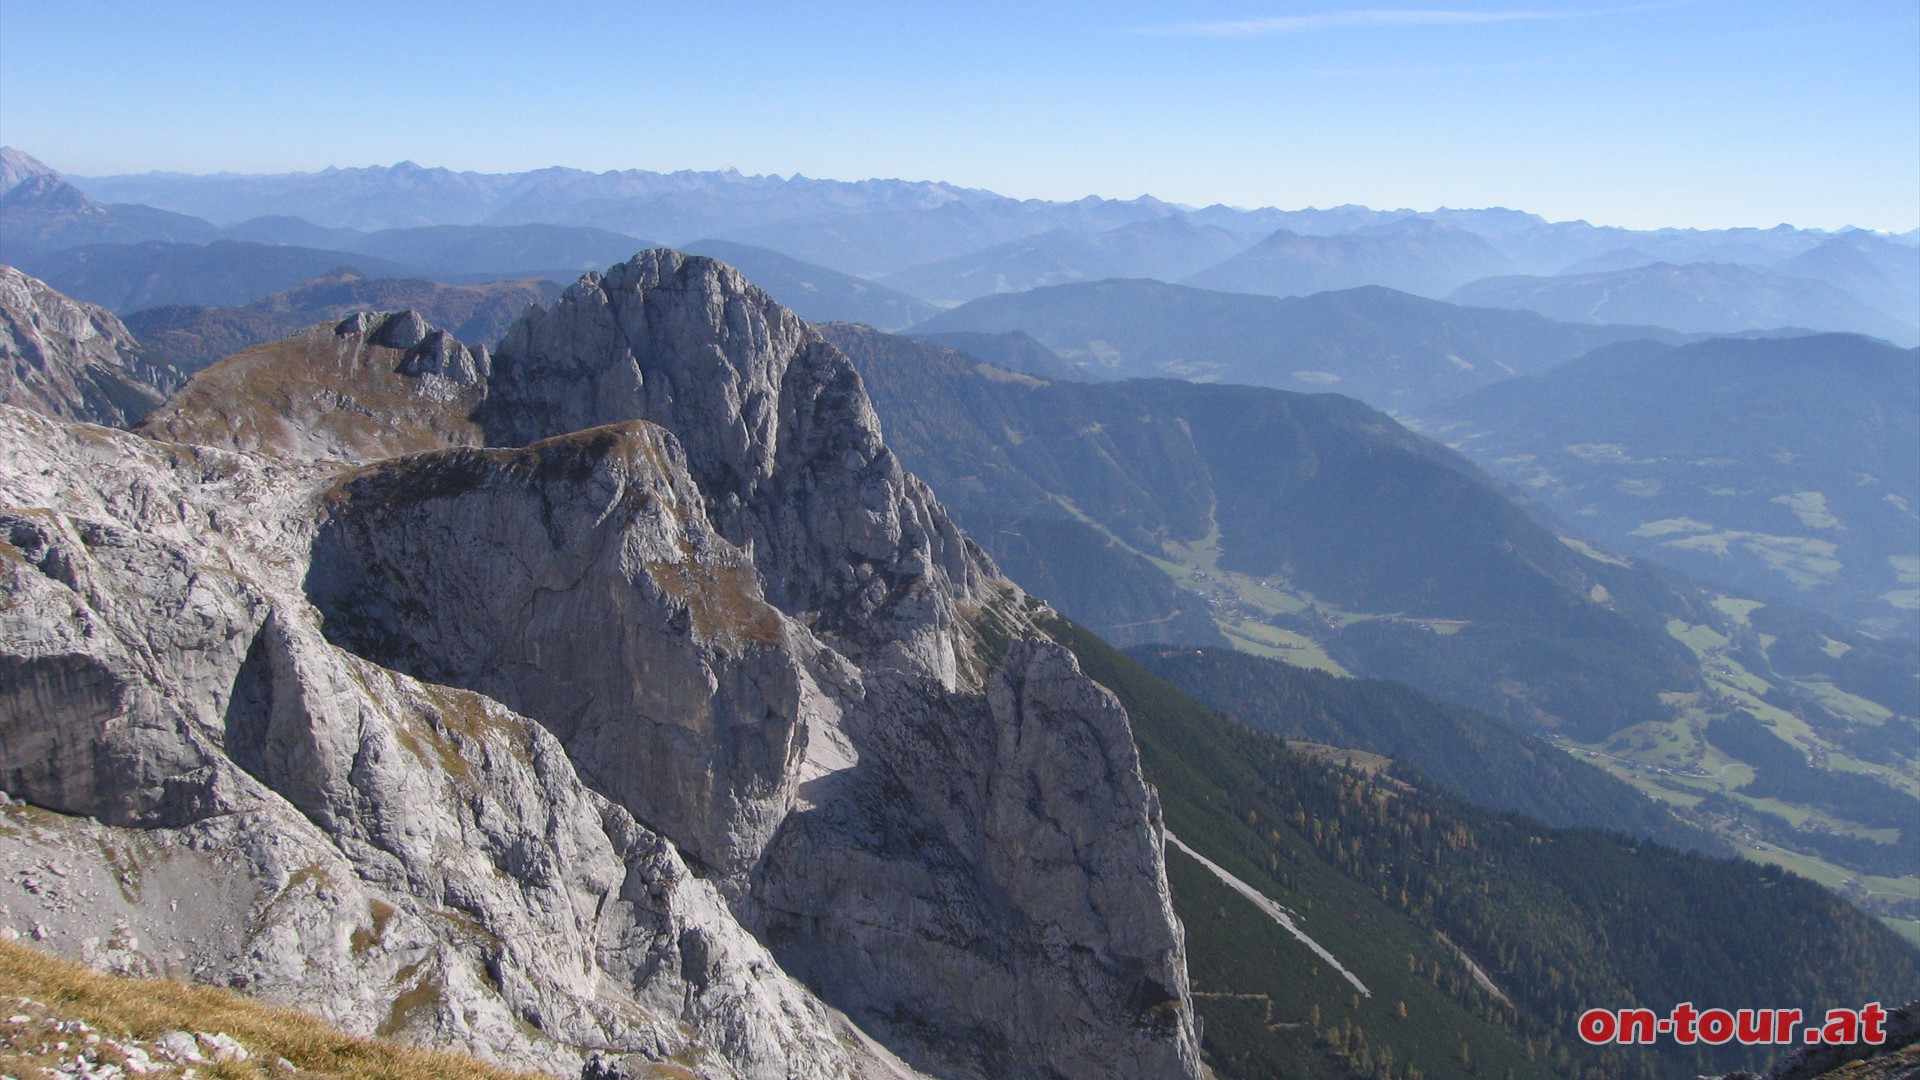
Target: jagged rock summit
{"points": [[72, 360], [616, 691]]}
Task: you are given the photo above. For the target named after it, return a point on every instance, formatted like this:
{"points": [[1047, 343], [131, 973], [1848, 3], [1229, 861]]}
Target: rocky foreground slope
{"points": [[615, 691]]}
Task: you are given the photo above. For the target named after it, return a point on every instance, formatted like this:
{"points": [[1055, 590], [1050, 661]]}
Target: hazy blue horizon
{"points": [[1692, 113], [917, 180]]}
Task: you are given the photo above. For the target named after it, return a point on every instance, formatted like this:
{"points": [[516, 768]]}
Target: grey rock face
{"points": [[970, 889], [577, 581], [401, 857], [986, 864], [779, 435], [677, 728], [17, 167], [71, 360]]}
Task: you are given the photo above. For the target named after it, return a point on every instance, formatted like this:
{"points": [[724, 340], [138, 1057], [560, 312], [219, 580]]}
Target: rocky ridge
{"points": [[681, 723], [73, 360]]}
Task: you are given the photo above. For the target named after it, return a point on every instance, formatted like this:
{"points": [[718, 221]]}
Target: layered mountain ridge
{"points": [[615, 689]]}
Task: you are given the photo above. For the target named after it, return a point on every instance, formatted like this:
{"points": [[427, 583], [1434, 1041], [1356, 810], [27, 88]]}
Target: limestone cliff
{"points": [[680, 722], [278, 814], [65, 358]]}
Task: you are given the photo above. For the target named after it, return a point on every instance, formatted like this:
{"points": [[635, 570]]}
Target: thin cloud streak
{"points": [[1389, 17]]}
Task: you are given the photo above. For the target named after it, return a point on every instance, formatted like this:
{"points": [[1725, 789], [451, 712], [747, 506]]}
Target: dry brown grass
{"points": [[724, 601], [122, 1008], [315, 389]]}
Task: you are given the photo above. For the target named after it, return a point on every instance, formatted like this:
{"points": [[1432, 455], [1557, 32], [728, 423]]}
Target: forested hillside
{"points": [[1386, 871]]}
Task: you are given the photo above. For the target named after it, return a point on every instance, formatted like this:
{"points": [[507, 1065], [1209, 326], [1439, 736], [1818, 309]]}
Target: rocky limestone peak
{"points": [[578, 581], [778, 431], [779, 434], [71, 360], [45, 197], [425, 349]]}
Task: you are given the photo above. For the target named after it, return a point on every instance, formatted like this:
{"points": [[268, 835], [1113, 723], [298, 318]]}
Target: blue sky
{"points": [[1701, 112]]}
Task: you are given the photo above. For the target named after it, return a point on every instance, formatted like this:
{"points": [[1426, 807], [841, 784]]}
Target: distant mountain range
{"points": [[563, 252], [41, 212], [1387, 348], [192, 337], [225, 273], [1785, 468], [1878, 271], [1166, 248], [1412, 254], [948, 244], [1710, 297]]}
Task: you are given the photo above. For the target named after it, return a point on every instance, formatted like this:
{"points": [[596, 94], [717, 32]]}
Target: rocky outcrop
{"points": [[981, 886], [1895, 1057], [678, 726], [192, 338], [972, 875], [577, 581], [779, 435], [72, 360], [368, 387]]}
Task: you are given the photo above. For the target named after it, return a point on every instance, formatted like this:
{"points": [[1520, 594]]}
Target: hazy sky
{"points": [[1705, 113]]}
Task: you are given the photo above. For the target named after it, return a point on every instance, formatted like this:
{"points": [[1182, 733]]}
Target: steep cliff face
{"points": [[679, 723], [578, 582], [73, 360], [278, 814], [779, 435]]}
